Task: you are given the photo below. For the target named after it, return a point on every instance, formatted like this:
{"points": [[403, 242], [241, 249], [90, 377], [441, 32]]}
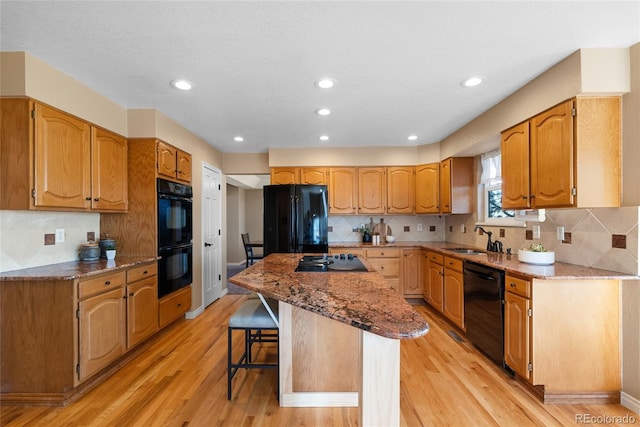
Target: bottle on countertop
{"points": [[383, 231]]}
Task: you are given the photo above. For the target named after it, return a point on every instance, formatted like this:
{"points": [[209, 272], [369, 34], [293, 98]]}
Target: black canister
{"points": [[106, 243]]}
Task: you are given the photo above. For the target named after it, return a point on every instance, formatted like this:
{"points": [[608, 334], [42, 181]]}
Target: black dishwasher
{"points": [[484, 309]]}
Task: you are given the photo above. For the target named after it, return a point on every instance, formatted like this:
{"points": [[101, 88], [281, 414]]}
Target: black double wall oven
{"points": [[175, 235]]}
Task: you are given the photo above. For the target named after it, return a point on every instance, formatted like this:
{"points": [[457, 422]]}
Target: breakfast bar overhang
{"points": [[340, 336]]}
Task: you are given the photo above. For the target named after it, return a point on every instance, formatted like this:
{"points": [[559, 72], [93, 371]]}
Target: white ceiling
{"points": [[398, 65]]}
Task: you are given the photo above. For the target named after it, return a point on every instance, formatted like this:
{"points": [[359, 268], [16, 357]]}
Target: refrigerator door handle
{"points": [[294, 221]]}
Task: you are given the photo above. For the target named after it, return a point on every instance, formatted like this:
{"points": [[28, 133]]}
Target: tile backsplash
{"points": [[22, 237], [432, 227], [589, 237]]}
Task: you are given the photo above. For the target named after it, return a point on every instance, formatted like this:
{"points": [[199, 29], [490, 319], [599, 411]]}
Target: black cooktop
{"points": [[328, 263]]}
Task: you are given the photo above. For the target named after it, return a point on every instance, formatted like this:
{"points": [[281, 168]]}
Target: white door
{"points": [[211, 230]]}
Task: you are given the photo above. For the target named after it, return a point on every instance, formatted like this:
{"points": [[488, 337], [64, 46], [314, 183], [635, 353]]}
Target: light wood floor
{"points": [[181, 381]]}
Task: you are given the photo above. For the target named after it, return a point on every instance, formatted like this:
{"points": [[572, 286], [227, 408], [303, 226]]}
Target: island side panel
{"points": [[379, 381], [330, 378]]}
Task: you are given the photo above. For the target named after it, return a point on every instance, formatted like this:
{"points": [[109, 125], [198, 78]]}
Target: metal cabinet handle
{"points": [[87, 198], [513, 285], [107, 283], [131, 294], [96, 199]]}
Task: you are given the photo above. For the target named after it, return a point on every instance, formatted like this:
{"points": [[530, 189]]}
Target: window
{"points": [[490, 194]]}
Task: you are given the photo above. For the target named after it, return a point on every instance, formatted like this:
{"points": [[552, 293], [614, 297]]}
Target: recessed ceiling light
{"points": [[238, 138], [323, 112], [181, 84], [412, 137], [325, 83], [471, 81], [324, 138]]}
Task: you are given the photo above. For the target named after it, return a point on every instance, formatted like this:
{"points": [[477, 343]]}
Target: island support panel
{"points": [[326, 363]]}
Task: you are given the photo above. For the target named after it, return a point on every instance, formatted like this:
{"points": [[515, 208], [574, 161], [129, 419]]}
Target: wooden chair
{"points": [[248, 249], [259, 326]]}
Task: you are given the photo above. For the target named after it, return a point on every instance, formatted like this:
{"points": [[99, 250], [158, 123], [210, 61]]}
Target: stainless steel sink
{"points": [[465, 251]]}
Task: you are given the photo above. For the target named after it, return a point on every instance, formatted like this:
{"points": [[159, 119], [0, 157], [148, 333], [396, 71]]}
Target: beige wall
{"points": [[245, 163], [343, 156], [235, 225]]}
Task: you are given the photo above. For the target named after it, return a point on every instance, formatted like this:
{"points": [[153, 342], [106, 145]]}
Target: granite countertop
{"points": [[508, 263], [74, 269], [362, 300]]}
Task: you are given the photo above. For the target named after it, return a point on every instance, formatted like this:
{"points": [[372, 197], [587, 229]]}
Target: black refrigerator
{"points": [[295, 219]]}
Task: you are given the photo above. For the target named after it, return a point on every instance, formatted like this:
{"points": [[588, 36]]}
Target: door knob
{"points": [[206, 245]]}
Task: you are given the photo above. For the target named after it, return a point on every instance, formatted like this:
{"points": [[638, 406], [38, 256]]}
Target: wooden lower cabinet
{"points": [[453, 291], [563, 337], [517, 326], [102, 326], [387, 262], [433, 282], [412, 273], [60, 337], [174, 305]]}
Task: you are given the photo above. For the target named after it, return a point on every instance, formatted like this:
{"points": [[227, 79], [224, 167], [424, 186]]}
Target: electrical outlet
{"points": [[463, 228], [560, 233], [59, 235], [419, 226], [536, 231]]}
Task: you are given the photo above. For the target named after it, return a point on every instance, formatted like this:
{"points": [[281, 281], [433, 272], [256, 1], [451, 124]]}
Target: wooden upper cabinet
{"points": [[315, 176], [281, 176], [62, 160], [428, 188], [343, 190], [371, 190], [514, 146], [574, 156], [552, 169], [52, 160], [173, 163], [184, 166], [167, 158], [401, 190], [456, 185], [109, 171]]}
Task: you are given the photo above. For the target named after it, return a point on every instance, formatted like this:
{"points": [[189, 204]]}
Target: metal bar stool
{"points": [[259, 326]]}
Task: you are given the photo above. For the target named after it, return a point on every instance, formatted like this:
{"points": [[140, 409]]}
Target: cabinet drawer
{"points": [[518, 286], [382, 253], [174, 305], [142, 272], [100, 284], [435, 257], [388, 267], [453, 263]]}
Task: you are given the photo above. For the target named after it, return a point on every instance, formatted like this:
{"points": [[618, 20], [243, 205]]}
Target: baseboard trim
{"points": [[192, 314], [630, 402]]}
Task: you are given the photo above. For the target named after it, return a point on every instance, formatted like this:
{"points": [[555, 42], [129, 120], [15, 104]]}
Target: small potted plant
{"points": [[110, 251], [365, 233]]}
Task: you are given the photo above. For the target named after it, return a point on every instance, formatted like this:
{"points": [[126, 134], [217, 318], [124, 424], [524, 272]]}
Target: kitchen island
{"points": [[339, 336]]}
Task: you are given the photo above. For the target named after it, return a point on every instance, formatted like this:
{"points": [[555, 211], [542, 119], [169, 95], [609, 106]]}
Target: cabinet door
{"points": [[102, 330], [425, 276], [142, 310], [315, 176], [167, 160], [445, 186], [184, 166], [401, 190], [454, 297], [342, 191], [109, 171], [412, 272], [281, 176], [62, 154], [371, 191], [428, 188], [552, 167], [436, 286], [515, 167], [516, 333]]}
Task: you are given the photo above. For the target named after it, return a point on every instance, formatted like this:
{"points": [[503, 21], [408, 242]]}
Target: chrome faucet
{"points": [[495, 246]]}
